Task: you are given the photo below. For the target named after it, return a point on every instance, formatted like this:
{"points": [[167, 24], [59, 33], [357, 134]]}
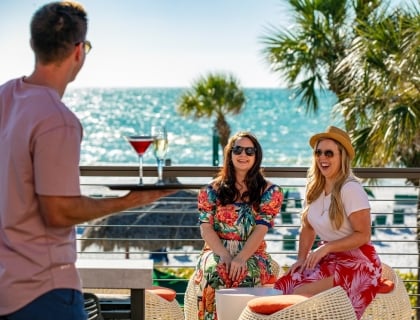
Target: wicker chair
{"points": [[275, 268], [190, 298], [332, 304], [92, 306], [160, 308], [392, 305]]}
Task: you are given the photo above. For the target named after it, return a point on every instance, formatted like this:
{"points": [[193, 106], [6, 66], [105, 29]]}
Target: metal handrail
{"points": [[387, 231], [210, 171]]}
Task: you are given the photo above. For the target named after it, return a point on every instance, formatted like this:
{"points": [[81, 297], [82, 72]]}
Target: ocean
{"points": [[275, 116]]}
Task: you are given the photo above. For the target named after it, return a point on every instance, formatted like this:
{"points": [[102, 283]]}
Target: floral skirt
{"points": [[211, 275], [357, 271]]}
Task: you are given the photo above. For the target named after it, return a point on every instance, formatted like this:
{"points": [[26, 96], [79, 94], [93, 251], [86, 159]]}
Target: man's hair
{"points": [[56, 28]]}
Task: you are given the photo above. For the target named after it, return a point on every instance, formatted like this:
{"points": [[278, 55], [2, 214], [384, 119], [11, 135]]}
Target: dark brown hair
{"points": [[254, 180], [56, 28]]}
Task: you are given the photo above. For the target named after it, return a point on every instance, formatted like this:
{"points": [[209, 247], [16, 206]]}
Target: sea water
{"points": [[275, 116]]}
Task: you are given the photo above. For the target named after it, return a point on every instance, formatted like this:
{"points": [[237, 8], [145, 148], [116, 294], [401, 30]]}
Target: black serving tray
{"points": [[137, 187]]}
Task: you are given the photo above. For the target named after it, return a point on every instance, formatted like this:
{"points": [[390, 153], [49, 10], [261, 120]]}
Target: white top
{"points": [[354, 198]]}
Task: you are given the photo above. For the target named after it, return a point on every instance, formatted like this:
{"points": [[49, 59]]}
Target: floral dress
{"points": [[234, 224]]}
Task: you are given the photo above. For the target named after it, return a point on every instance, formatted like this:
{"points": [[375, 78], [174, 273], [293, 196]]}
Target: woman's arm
{"points": [[213, 241], [360, 222], [306, 240], [252, 244], [238, 264]]}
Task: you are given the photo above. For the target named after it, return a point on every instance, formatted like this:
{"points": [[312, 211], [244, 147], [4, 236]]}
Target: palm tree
{"points": [[382, 104], [218, 95], [306, 54], [373, 68]]}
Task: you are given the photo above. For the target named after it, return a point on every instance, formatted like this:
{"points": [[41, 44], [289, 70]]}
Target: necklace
{"points": [[324, 210]]}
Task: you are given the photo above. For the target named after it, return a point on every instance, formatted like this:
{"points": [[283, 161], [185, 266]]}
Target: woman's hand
{"points": [[226, 259], [297, 265], [237, 268], [314, 257]]}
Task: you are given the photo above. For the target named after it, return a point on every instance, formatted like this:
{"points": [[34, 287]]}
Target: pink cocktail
{"points": [[140, 144]]}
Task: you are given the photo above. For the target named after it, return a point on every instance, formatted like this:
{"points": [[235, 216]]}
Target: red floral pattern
{"points": [[358, 271], [233, 223]]}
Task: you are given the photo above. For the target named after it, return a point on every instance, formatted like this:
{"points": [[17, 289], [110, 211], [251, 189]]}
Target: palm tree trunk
{"points": [[224, 130]]}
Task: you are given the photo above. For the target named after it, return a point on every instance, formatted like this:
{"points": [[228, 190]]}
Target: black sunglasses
{"points": [[249, 151], [327, 153]]}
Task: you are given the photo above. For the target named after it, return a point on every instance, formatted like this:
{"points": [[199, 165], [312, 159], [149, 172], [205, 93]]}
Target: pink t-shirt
{"points": [[39, 155]]}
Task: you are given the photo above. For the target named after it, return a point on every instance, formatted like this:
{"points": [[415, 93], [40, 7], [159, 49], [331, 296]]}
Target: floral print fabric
{"points": [[234, 224], [357, 271]]}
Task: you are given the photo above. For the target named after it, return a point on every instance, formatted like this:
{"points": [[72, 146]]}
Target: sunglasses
{"points": [[249, 151], [87, 45], [327, 153]]}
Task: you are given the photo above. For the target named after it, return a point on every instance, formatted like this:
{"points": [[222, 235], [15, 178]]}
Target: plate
{"points": [[153, 186]]}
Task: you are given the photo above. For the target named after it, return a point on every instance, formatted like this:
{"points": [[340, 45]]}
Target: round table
{"points": [[231, 302]]}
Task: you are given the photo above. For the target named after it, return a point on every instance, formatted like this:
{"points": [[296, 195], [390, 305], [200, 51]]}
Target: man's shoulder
{"points": [[8, 84]]}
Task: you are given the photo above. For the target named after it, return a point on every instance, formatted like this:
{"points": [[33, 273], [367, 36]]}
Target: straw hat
{"points": [[337, 135]]}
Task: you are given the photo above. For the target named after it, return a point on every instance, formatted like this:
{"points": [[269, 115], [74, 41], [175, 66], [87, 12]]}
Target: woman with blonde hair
{"points": [[336, 210]]}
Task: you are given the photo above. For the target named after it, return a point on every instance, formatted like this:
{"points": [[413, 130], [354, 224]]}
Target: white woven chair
{"points": [[276, 269], [390, 306], [332, 304], [158, 308], [190, 298]]}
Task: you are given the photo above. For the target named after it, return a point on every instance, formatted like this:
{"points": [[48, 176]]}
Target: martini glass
{"points": [[160, 147], [140, 144]]}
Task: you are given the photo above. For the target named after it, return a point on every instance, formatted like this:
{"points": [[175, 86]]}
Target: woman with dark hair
{"points": [[235, 212]]}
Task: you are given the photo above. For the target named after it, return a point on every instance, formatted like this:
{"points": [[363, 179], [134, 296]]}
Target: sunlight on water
{"points": [[107, 115]]}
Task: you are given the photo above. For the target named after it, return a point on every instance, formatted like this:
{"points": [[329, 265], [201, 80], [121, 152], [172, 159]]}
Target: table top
{"points": [[231, 302], [115, 273]]}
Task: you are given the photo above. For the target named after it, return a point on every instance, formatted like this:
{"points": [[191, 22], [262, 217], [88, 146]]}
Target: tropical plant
{"points": [[307, 54], [381, 105], [370, 58], [214, 95]]}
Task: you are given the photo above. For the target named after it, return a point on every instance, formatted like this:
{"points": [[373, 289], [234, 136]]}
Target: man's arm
{"points": [[61, 211]]}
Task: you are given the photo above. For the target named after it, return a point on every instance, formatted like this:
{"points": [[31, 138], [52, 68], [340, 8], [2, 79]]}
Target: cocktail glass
{"points": [[160, 147], [140, 144]]}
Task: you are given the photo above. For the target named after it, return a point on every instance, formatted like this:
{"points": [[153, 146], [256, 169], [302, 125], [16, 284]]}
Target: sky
{"points": [[156, 43]]}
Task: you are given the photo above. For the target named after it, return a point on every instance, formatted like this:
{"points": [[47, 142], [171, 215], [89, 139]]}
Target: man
{"points": [[40, 197]]}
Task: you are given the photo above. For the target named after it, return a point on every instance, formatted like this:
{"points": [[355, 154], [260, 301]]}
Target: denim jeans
{"points": [[58, 304]]}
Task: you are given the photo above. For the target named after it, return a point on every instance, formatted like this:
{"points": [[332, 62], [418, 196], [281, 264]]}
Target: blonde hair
{"points": [[316, 183]]}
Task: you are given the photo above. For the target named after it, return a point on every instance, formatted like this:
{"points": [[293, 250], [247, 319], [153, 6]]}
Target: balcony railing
{"points": [[168, 228]]}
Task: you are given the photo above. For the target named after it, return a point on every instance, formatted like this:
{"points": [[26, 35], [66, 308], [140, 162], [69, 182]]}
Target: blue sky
{"points": [[155, 43]]}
